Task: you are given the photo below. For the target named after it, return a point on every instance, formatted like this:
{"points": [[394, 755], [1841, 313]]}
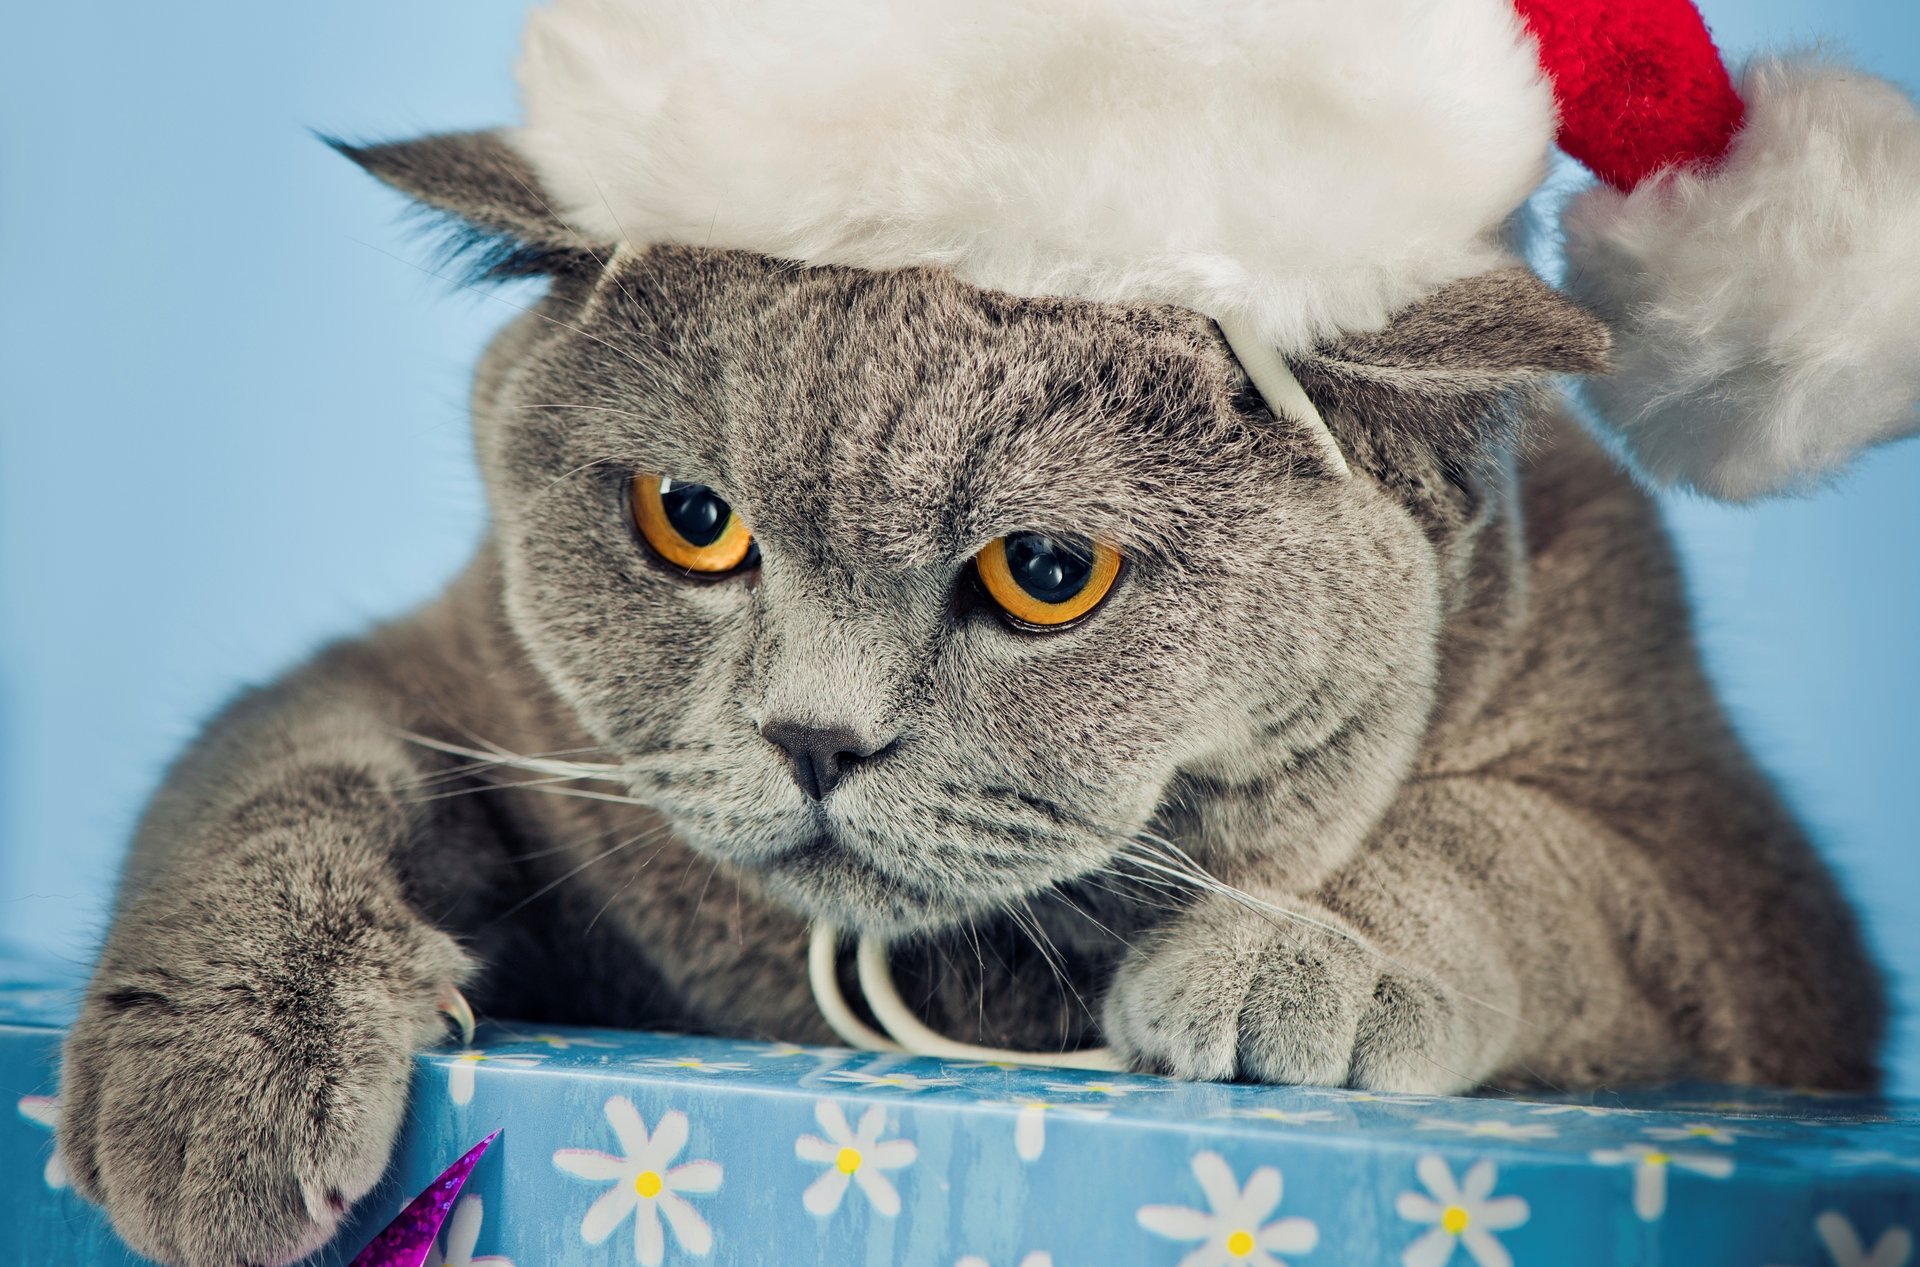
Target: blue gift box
{"points": [[650, 1148]]}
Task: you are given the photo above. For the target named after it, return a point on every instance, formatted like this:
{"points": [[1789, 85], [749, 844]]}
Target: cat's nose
{"points": [[820, 755]]}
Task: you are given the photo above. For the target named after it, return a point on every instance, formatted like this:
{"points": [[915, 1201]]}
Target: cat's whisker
{"points": [[980, 964], [590, 770], [1029, 924], [458, 769], [1067, 898], [587, 794], [492, 786], [572, 845], [639, 838], [1133, 895], [622, 890], [481, 749], [713, 869], [564, 476]]}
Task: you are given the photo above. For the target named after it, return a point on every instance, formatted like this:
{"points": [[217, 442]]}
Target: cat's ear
{"points": [[502, 223], [1431, 392]]}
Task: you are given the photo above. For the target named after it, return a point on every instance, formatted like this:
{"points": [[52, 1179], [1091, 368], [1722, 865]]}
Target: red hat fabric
{"points": [[1639, 84]]}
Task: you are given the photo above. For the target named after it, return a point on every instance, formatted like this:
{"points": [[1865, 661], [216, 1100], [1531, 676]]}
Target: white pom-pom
{"points": [[1766, 311]]}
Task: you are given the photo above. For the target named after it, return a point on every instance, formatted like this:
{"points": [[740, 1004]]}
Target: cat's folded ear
{"points": [[500, 221], [1436, 384]]}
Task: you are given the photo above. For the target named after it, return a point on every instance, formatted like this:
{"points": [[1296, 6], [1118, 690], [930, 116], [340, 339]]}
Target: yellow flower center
{"points": [[1656, 1159], [1240, 1244], [473, 1057], [647, 1184], [848, 1161], [1455, 1219], [1703, 1132]]}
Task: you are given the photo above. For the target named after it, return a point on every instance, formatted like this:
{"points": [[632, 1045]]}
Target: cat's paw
{"points": [[229, 1107], [1225, 992]]}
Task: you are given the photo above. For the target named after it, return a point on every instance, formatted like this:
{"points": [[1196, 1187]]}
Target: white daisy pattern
{"points": [[1462, 1214], [1492, 1129], [645, 1184], [1030, 1122], [1584, 1110], [1651, 1164], [693, 1064], [1845, 1246], [1234, 1228], [891, 1081], [1877, 1157], [1285, 1117], [463, 1237], [1038, 1258], [1695, 1132], [1367, 1097], [44, 1110], [460, 1074], [1720, 1106], [564, 1042], [786, 1051], [852, 1155], [1104, 1088]]}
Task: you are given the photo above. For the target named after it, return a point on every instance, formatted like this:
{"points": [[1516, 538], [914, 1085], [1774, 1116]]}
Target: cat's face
{"points": [[875, 432], [1273, 629]]}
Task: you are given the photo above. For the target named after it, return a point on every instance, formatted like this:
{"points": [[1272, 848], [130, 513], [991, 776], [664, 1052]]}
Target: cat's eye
{"points": [[690, 526], [1045, 581]]}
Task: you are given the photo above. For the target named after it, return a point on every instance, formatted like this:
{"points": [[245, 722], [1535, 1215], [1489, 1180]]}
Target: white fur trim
{"points": [[1767, 312], [1304, 166]]}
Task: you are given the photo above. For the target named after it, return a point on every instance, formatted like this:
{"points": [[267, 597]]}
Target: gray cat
{"points": [[1409, 781]]}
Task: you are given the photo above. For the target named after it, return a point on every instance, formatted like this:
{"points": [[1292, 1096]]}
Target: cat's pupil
{"points": [[696, 512], [1051, 569]]}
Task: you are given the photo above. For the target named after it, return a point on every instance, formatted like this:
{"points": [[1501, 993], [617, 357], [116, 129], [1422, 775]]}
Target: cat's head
{"points": [[1009, 580]]}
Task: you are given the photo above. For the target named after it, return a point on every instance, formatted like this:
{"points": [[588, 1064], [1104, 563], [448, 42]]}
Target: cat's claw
{"points": [[459, 1013]]}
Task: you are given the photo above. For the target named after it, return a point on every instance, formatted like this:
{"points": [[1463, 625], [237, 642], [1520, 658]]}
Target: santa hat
{"points": [[1295, 169]]}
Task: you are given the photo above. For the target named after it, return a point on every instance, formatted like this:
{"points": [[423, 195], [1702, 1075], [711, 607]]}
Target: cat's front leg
{"points": [[239, 1072], [1289, 992]]}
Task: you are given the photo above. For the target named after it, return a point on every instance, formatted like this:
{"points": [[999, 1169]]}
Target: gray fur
{"points": [[1446, 713]]}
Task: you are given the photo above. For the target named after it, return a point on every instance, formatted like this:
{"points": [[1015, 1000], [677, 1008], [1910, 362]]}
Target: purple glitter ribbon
{"points": [[409, 1238]]}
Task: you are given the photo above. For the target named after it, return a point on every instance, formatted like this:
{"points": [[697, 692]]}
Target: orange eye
{"points": [[690, 525], [1047, 581]]}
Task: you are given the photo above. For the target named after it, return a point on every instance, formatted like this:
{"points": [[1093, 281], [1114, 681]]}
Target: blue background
{"points": [[232, 425]]}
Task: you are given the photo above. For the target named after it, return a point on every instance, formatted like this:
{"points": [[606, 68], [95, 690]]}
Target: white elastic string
{"points": [[822, 955], [1279, 388], [908, 1034], [876, 980]]}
